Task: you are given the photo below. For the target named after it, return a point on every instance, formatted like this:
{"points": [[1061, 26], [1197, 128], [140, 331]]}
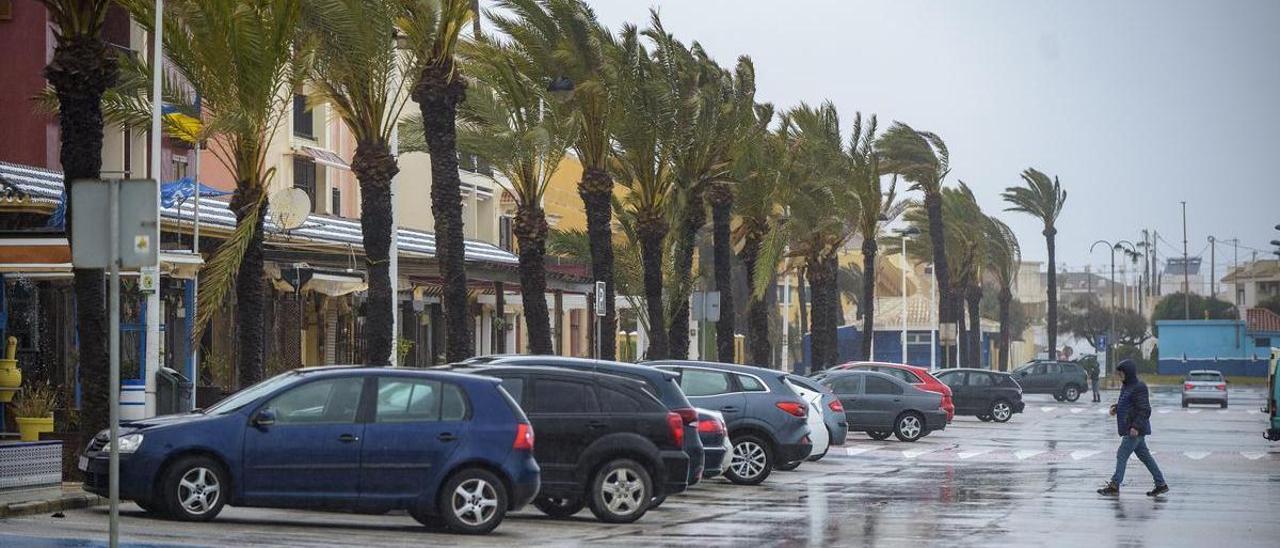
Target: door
{"points": [[310, 454], [1032, 378], [849, 389], [979, 390], [882, 398], [417, 425], [715, 390], [566, 420], [959, 394]]}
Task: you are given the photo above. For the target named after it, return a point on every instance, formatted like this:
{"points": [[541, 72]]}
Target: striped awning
{"points": [[322, 156]]}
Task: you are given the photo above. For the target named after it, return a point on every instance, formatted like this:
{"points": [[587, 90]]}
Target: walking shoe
{"points": [[1159, 490], [1110, 489]]}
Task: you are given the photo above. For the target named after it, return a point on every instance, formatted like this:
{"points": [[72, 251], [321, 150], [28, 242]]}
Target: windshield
{"points": [[239, 399], [1204, 377]]}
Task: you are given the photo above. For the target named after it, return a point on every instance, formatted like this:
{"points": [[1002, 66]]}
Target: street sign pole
{"points": [[600, 313], [113, 258]]}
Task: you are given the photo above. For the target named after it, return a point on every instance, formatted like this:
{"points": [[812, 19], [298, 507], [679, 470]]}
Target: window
{"points": [[335, 202], [304, 176], [557, 396], [979, 379], [701, 382], [466, 161], [1262, 341], [1052, 368], [303, 118], [324, 401], [954, 380], [1040, 369], [918, 338], [617, 401], [407, 400], [880, 385], [750, 384], [505, 238], [1006, 380], [846, 384], [179, 166], [453, 405], [1204, 377], [515, 387], [906, 376]]}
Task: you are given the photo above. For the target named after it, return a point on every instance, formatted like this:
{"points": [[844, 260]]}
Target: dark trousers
{"points": [[1096, 397]]}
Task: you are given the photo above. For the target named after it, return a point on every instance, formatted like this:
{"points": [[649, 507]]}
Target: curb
{"points": [[68, 501]]}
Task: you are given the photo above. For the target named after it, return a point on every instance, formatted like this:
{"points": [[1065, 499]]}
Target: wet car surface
{"points": [[1027, 482]]}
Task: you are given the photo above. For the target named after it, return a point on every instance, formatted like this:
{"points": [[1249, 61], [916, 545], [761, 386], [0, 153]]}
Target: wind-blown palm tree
{"points": [[922, 159], [431, 30], [569, 45], [511, 120], [963, 243], [1043, 199], [878, 206], [644, 132], [81, 71], [758, 167], [1003, 254], [358, 71], [237, 55]]}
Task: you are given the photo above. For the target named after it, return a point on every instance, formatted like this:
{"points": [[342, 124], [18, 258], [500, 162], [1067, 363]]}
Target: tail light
{"points": [[687, 414], [792, 408], [1221, 387], [710, 426], [1188, 386], [836, 406], [524, 438], [675, 423]]}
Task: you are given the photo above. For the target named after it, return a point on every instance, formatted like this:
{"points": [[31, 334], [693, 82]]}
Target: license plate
{"points": [[84, 463]]}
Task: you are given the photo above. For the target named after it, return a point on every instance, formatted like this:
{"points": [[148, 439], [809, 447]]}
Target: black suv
{"points": [[603, 441], [662, 384], [1065, 380], [988, 395]]}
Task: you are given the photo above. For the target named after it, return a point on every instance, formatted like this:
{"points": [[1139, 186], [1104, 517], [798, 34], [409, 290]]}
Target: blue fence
{"points": [[1231, 367]]}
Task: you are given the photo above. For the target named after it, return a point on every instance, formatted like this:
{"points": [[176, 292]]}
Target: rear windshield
{"points": [[1204, 377]]}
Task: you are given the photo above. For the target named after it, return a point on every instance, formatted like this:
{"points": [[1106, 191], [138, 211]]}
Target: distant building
{"points": [[1253, 282], [1234, 347], [1181, 275]]}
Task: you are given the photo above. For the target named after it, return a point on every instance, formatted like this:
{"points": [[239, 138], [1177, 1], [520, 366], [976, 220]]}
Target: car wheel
{"points": [[879, 436], [1185, 404], [984, 418], [559, 508], [472, 502], [909, 427], [1001, 411], [620, 492], [1224, 405], [1058, 396], [787, 466], [1071, 393], [192, 489], [819, 456], [752, 461]]}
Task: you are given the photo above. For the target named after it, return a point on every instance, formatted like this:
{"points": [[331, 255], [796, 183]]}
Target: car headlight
{"points": [[128, 443]]}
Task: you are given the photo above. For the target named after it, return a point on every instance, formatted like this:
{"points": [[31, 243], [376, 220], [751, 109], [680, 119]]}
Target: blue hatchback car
{"points": [[450, 448]]}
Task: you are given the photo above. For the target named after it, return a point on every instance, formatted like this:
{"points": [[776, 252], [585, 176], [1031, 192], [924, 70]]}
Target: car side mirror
{"points": [[264, 418]]}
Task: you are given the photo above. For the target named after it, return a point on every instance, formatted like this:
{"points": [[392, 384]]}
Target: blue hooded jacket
{"points": [[1133, 409]]}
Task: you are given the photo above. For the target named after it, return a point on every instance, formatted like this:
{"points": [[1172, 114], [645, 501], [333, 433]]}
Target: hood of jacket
{"points": [[1129, 370]]}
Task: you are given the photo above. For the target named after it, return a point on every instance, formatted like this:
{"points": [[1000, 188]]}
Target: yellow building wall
{"points": [[561, 200]]}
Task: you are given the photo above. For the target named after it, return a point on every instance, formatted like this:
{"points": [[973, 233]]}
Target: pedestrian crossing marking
{"points": [[1164, 411], [1047, 409], [1076, 410], [852, 451], [1193, 411], [1252, 455], [1024, 454], [1083, 454], [913, 453], [1196, 455], [970, 454]]}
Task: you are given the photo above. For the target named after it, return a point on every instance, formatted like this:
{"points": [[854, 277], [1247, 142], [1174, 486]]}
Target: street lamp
{"points": [[905, 233], [1111, 335]]}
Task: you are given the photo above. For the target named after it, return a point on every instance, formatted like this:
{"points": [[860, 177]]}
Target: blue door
{"points": [[417, 425], [310, 454]]}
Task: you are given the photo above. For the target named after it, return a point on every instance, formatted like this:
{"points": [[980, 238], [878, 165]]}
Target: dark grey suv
{"points": [[766, 419], [1064, 380], [882, 405]]}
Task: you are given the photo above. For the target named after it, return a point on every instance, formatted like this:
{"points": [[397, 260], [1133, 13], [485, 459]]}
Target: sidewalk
{"points": [[67, 497]]}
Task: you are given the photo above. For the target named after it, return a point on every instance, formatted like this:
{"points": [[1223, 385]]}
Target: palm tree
{"points": [[431, 29], [963, 242], [1043, 199], [236, 55], [643, 134], [81, 71], [357, 70], [569, 45], [922, 159], [1003, 255], [758, 166], [511, 120]]}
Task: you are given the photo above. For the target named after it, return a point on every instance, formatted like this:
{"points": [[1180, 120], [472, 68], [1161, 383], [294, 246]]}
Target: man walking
{"points": [[1093, 382], [1133, 422]]}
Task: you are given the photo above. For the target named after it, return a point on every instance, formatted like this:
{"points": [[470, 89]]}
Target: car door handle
{"points": [[597, 424], [348, 438], [897, 399], [729, 409], [447, 436]]}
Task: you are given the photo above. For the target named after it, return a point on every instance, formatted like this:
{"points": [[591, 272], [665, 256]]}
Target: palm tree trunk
{"points": [[947, 308], [802, 314], [868, 304], [596, 190], [531, 231], [961, 356], [721, 198], [652, 231], [1006, 296], [250, 289], [80, 71], [973, 295], [374, 166], [759, 351], [695, 215], [823, 336], [438, 92], [1052, 319]]}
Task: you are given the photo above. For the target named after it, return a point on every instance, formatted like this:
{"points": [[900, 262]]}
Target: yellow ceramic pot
{"points": [[10, 377], [31, 427]]}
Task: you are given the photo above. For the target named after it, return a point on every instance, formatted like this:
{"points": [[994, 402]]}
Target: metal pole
{"points": [[151, 363], [393, 269], [1213, 271], [113, 378], [933, 329], [1111, 334], [1186, 273], [195, 250], [904, 298]]}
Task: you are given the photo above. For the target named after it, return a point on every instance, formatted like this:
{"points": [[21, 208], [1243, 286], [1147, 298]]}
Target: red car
{"points": [[918, 376]]}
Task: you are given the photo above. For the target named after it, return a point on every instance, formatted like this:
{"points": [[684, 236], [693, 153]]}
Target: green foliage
{"points": [[1271, 303], [1088, 319], [1041, 198], [35, 401], [1201, 308], [219, 368], [405, 346]]}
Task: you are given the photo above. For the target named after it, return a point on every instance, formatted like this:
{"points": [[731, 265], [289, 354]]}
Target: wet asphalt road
{"points": [[1028, 482]]}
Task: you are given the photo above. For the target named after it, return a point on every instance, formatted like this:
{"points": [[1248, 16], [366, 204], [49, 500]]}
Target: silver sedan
{"points": [[1204, 386]]}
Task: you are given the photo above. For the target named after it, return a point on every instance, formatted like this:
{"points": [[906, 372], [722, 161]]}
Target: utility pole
{"points": [[1111, 337], [1213, 273], [1155, 263], [1186, 272]]}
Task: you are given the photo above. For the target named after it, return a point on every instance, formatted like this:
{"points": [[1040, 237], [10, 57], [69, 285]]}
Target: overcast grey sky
{"points": [[1135, 104]]}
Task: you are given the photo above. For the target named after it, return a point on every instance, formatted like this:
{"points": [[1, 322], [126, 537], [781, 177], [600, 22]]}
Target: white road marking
{"points": [[1024, 454], [1083, 454], [1252, 455], [1047, 409], [1164, 411], [971, 454], [851, 451], [1193, 411], [913, 453], [1076, 410], [1196, 455]]}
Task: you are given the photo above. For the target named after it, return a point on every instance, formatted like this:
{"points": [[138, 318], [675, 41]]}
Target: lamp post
{"points": [[1111, 334], [905, 233]]}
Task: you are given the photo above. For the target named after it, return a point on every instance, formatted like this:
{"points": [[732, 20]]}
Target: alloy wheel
{"points": [[748, 459], [198, 490], [1001, 411], [475, 502], [623, 491], [910, 426]]}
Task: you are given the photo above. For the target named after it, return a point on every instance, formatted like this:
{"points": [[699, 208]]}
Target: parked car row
{"points": [[455, 446]]}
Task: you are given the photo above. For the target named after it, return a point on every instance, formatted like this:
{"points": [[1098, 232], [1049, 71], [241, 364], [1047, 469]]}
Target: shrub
{"points": [[35, 401]]}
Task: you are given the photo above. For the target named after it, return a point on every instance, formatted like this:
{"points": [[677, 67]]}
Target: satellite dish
{"points": [[290, 207]]}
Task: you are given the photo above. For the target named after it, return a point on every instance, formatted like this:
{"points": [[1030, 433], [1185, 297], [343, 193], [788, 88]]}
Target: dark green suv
{"points": [[1064, 380]]}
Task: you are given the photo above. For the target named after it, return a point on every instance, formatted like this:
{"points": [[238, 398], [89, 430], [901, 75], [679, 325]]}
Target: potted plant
{"points": [[33, 411]]}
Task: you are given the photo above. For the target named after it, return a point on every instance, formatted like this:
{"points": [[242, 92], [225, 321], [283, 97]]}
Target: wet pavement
{"points": [[1028, 482]]}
